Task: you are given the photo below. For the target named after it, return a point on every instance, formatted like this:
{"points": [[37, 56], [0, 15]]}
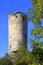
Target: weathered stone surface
{"points": [[17, 28]]}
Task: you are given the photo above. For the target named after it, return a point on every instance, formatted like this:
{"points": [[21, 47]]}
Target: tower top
{"points": [[14, 13], [25, 17]]}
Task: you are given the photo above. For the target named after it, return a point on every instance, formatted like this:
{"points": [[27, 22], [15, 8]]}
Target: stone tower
{"points": [[17, 31]]}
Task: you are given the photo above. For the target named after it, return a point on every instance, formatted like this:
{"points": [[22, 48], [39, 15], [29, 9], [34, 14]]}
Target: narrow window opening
{"points": [[10, 46], [16, 16], [23, 18]]}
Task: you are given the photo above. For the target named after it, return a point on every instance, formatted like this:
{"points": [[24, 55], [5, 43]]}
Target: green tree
{"points": [[5, 61], [37, 33], [24, 57]]}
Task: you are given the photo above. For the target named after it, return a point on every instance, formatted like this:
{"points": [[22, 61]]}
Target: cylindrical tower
{"points": [[17, 31]]}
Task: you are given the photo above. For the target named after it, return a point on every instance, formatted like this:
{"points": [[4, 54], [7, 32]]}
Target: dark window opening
{"points": [[10, 46], [23, 18], [16, 16], [14, 51]]}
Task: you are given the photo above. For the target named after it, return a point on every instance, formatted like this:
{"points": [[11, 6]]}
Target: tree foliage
{"points": [[5, 61], [37, 33], [37, 11], [23, 57]]}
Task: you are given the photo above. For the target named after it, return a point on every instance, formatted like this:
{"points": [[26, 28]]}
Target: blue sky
{"points": [[6, 7]]}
